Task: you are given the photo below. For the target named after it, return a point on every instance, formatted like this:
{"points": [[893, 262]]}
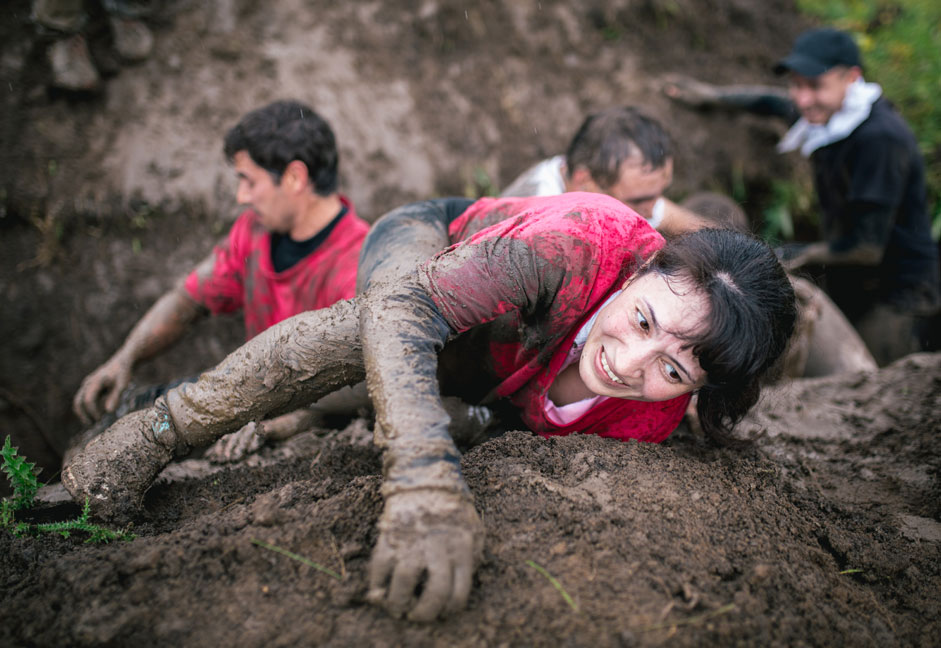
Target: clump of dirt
{"points": [[814, 535]]}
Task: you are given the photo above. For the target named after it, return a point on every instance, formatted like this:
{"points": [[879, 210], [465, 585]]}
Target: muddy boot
{"points": [[117, 467], [72, 67]]}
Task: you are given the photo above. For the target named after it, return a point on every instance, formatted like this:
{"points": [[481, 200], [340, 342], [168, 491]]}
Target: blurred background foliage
{"points": [[900, 41]]}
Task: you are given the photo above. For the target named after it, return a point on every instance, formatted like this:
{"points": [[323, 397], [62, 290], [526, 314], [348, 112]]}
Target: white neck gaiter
{"points": [[857, 104]]}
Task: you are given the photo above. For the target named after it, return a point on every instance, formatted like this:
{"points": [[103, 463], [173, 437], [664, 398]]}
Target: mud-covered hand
{"points": [[237, 445], [107, 382], [690, 92], [430, 542]]}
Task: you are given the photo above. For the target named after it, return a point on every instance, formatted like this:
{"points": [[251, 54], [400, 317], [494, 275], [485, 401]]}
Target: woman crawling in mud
{"points": [[569, 310]]}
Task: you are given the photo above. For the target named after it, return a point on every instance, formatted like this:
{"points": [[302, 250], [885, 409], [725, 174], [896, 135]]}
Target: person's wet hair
{"points": [[607, 138], [284, 131], [752, 312]]}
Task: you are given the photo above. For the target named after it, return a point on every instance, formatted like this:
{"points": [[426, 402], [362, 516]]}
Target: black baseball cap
{"points": [[818, 50]]}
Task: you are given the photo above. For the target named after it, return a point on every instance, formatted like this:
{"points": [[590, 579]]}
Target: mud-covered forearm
{"points": [[288, 366], [402, 332], [757, 99], [760, 100], [162, 325]]}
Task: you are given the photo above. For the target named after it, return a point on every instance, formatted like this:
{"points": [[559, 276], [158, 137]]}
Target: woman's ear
{"points": [[640, 270]]}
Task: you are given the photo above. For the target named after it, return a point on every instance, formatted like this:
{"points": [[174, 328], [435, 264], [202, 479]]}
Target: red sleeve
{"points": [[220, 287], [558, 254]]}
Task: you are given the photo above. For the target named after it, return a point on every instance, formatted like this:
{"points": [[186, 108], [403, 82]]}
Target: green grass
{"points": [[556, 584], [693, 620], [900, 41], [297, 557]]}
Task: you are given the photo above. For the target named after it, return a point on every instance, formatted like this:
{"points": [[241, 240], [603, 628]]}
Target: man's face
{"points": [[818, 98], [639, 185], [258, 190]]}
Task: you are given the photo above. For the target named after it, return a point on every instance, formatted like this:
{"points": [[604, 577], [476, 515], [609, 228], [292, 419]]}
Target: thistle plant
{"points": [[22, 477]]}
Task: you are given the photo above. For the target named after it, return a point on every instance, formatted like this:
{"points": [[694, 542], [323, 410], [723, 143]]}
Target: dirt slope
{"points": [[824, 533]]}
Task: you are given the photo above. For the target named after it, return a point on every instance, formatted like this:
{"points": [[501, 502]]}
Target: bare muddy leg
{"points": [[289, 365]]}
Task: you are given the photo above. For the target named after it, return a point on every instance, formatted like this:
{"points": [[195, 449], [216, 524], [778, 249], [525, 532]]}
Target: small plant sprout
{"points": [[693, 620], [297, 557], [556, 584]]}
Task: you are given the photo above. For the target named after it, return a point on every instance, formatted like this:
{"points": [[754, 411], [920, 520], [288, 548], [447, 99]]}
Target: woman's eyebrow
{"points": [[653, 320]]}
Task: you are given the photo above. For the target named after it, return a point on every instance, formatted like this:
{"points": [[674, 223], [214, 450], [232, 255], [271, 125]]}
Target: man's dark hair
{"points": [[752, 312], [607, 138], [284, 131]]}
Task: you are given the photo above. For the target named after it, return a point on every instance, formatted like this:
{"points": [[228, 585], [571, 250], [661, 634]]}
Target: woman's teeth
{"points": [[607, 369]]}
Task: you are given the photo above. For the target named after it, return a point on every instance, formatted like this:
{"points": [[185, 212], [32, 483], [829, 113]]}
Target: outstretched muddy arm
{"points": [[430, 534], [758, 99], [287, 366], [402, 333], [429, 531]]}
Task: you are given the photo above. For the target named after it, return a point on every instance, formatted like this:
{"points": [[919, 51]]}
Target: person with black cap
{"points": [[878, 260]]}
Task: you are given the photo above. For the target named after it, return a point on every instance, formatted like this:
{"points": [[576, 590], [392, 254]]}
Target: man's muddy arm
{"points": [[159, 328], [757, 99]]}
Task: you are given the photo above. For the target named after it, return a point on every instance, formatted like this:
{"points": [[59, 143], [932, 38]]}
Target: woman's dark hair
{"points": [[607, 138], [284, 131], [752, 312]]}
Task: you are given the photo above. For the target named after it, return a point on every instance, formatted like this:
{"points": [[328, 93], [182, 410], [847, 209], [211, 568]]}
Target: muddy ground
{"points": [[824, 532]]}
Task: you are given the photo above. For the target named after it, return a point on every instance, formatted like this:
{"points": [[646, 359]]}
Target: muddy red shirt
{"points": [[243, 277], [537, 269]]}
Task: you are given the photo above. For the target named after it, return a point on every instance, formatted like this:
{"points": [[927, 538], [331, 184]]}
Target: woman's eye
{"points": [[642, 321], [671, 372]]}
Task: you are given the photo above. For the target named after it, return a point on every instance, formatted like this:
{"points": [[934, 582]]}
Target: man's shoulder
{"points": [[884, 124], [542, 179]]}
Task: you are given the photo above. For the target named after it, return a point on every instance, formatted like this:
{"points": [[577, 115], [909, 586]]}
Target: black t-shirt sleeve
{"points": [[765, 104]]}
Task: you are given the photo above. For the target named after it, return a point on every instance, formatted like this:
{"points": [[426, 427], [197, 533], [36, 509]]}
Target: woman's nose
{"points": [[631, 361]]}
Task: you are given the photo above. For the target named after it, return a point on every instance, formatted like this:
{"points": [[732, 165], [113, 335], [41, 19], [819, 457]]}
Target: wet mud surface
{"points": [[824, 532]]}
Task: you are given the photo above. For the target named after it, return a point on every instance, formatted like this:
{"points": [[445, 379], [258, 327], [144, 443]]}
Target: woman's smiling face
{"points": [[633, 350]]}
